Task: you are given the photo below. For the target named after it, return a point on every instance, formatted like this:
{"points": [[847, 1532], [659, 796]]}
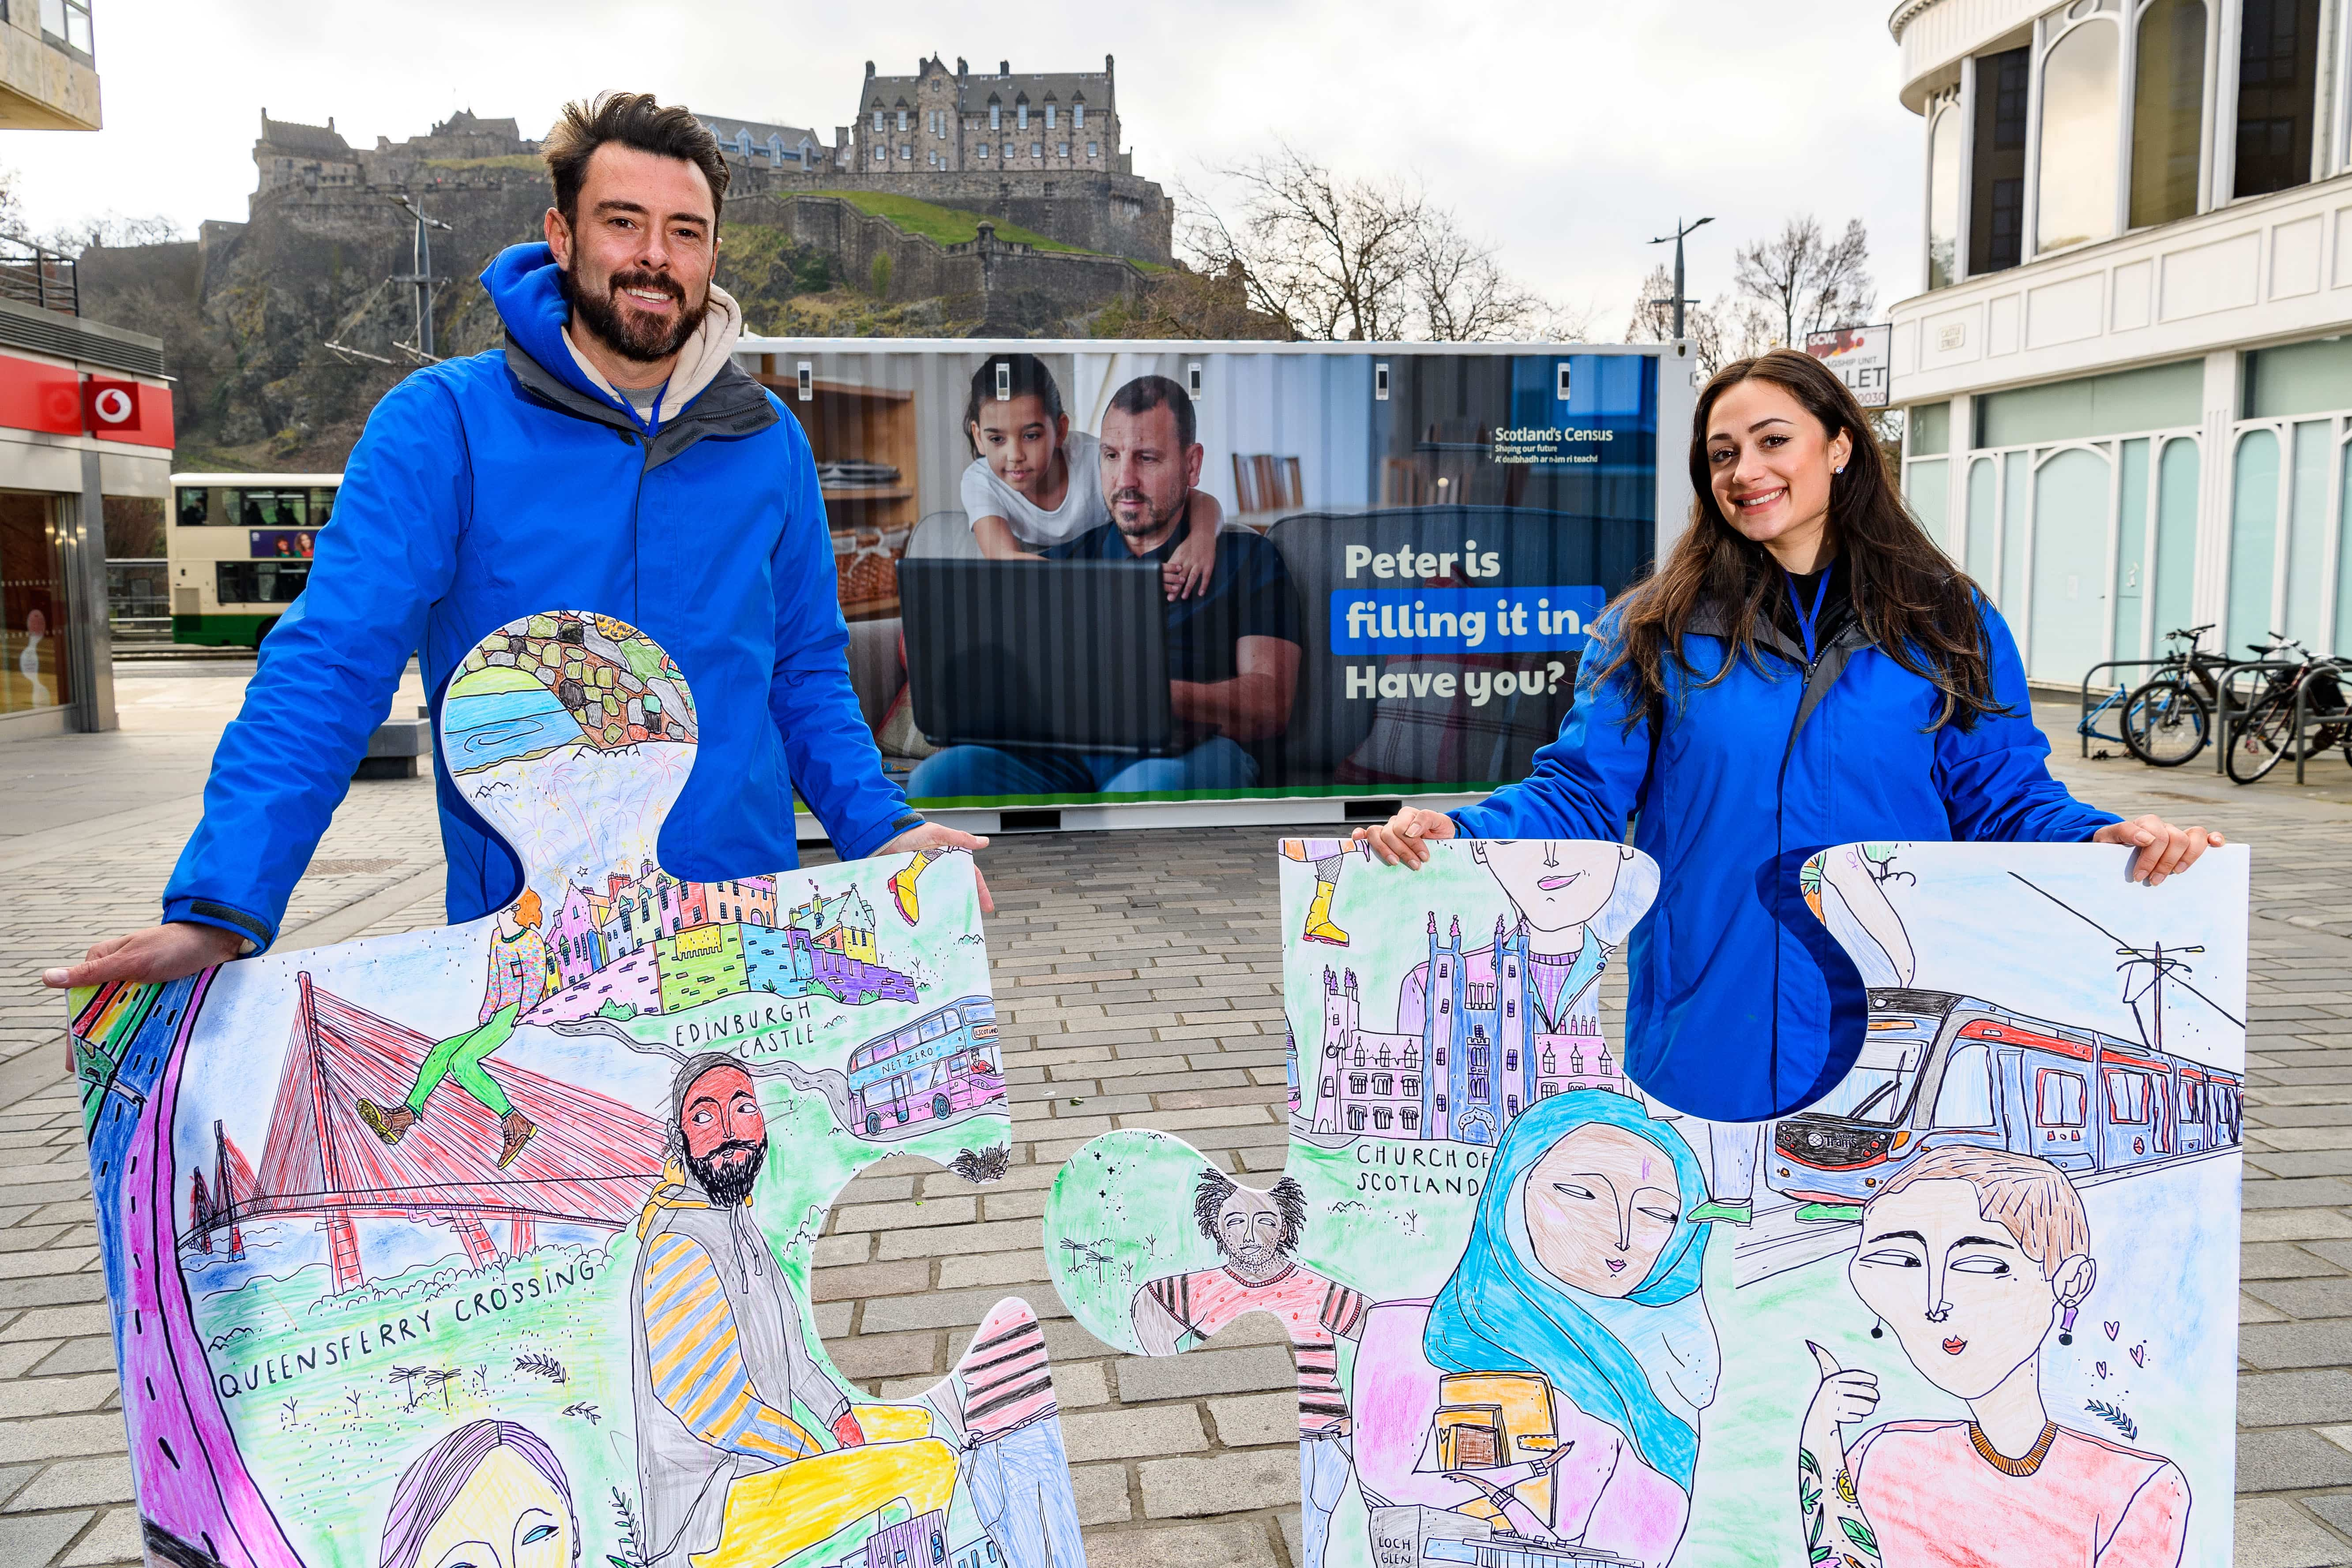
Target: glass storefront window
{"points": [[2299, 378], [1929, 429], [2253, 541], [33, 664], [1944, 198], [2167, 112], [2278, 60], [2079, 126]]}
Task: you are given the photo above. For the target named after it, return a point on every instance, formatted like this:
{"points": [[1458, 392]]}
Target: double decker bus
{"points": [[939, 1066], [1938, 1069], [238, 548]]}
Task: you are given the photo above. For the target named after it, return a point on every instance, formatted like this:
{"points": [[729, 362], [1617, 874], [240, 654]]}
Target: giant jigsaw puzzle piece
{"points": [[1977, 1303], [491, 1244]]}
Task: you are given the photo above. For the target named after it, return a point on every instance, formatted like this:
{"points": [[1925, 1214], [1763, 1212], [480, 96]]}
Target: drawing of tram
{"points": [[1939, 1069], [939, 1066]]}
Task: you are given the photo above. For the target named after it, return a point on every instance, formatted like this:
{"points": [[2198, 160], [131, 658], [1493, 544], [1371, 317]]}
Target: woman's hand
{"points": [[1188, 571], [1403, 839], [2164, 850]]}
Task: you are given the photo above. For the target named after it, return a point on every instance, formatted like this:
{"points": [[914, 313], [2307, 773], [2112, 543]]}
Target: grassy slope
{"points": [[949, 225]]}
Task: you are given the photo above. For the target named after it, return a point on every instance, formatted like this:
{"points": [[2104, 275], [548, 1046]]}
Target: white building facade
{"points": [[2128, 372]]}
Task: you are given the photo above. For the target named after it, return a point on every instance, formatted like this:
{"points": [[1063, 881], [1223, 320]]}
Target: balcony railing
{"points": [[42, 279]]}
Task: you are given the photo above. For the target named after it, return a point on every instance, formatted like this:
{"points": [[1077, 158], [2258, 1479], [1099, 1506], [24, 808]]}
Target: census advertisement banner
{"points": [[1977, 1305], [493, 1245], [1217, 572]]}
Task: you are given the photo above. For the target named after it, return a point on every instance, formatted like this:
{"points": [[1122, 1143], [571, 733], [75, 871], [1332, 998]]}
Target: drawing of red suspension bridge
{"points": [[593, 1163]]}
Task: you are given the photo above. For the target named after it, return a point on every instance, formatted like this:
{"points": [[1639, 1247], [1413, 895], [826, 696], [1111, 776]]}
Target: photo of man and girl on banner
{"points": [[1266, 573]]}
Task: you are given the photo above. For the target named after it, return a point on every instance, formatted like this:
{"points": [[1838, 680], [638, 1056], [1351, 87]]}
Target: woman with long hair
{"points": [[1806, 668]]}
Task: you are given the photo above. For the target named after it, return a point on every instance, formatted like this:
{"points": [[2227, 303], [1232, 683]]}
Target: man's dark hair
{"points": [[1210, 1195], [633, 120], [1146, 392]]}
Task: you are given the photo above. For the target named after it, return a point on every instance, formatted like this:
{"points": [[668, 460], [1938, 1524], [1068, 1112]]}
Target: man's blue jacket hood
{"points": [[494, 487]]}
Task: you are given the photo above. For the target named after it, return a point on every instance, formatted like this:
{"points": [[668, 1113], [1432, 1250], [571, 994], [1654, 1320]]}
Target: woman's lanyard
{"points": [[1808, 620]]}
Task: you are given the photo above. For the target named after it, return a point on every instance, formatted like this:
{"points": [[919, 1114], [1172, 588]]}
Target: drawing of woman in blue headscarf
{"points": [[1554, 1385]]}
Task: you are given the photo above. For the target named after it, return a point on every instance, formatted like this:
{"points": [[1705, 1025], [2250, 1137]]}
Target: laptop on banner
{"points": [[1067, 656]]}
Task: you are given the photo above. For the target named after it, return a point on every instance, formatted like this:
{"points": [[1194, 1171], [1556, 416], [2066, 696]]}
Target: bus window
{"points": [[934, 1026], [1965, 1096], [905, 1040], [322, 506], [268, 508], [2058, 1098], [2190, 1109], [195, 506], [2126, 1095], [951, 1019], [260, 581]]}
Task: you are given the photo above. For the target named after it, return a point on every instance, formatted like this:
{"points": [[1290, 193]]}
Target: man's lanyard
{"points": [[1806, 620]]}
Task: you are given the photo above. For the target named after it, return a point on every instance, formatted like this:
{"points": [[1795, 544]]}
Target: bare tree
{"points": [[1805, 282], [111, 229], [1654, 321], [1335, 256]]}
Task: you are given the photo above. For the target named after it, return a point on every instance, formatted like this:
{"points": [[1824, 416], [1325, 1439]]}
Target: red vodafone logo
{"points": [[111, 404]]}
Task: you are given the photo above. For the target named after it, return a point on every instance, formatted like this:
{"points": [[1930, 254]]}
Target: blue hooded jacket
{"points": [[499, 486], [1741, 1005]]}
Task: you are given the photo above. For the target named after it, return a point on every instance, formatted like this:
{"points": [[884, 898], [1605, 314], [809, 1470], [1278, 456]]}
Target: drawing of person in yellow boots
{"points": [[902, 882], [522, 972], [1326, 856]]}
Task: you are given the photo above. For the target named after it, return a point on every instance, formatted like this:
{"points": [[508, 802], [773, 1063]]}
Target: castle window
{"points": [[1511, 1009], [1511, 1105], [1510, 1061], [1383, 1084], [1355, 1083], [1381, 1117], [1546, 1090], [1355, 1119], [1549, 1064], [1413, 1085], [1021, 116], [1078, 118], [906, 154], [878, 120], [1444, 1005], [1359, 1055], [996, 117], [1440, 1056], [1036, 149], [1050, 110], [902, 119], [981, 149], [743, 140], [1441, 1105], [1008, 149], [1478, 1088], [1064, 151], [1091, 149], [1413, 1055], [1409, 1120]]}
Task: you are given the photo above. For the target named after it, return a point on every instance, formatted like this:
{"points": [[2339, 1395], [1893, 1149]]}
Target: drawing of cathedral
{"points": [[1479, 1036]]}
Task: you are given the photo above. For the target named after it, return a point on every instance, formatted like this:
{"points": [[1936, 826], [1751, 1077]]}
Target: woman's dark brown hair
{"points": [[1913, 603]]}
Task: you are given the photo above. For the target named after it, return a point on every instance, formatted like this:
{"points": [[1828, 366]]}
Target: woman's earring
{"points": [[1878, 1328], [1839, 469], [2066, 1328]]}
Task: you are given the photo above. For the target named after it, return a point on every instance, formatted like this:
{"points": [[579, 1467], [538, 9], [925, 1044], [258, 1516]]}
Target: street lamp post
{"points": [[1681, 229]]}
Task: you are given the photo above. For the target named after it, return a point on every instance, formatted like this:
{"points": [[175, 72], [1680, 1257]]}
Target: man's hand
{"points": [[2164, 850], [1403, 839], [162, 952], [847, 1432], [939, 837]]}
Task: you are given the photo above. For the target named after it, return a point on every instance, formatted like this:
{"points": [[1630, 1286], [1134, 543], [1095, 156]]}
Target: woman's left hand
{"points": [[2164, 850]]}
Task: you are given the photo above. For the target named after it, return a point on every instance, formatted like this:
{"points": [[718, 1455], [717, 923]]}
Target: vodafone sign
{"points": [[111, 406]]}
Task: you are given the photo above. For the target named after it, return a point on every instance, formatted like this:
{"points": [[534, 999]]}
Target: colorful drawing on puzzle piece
{"points": [[492, 1243], [1977, 1304]]}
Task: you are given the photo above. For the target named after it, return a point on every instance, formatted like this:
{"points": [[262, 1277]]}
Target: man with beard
{"points": [[1232, 651], [729, 1476], [610, 457], [1257, 1234]]}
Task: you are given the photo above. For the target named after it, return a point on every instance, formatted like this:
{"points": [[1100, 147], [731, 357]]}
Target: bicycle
{"points": [[2168, 718], [2267, 734]]}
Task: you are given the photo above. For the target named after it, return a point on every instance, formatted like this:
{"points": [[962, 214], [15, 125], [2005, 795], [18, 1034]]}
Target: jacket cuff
{"points": [[906, 819], [212, 912]]}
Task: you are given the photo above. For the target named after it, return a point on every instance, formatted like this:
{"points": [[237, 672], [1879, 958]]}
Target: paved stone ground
{"points": [[1138, 978]]}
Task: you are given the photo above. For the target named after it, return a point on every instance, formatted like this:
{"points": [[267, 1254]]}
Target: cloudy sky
{"points": [[1568, 133]]}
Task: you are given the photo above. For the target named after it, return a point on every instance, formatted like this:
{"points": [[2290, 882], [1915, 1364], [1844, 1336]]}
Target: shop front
{"points": [[85, 442]]}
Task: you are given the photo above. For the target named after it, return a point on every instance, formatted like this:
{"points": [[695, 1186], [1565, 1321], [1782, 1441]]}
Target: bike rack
{"points": [[2225, 707], [2094, 670]]}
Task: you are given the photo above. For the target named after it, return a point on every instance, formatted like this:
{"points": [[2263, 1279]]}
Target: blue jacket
{"points": [[1741, 1006], [491, 487]]}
